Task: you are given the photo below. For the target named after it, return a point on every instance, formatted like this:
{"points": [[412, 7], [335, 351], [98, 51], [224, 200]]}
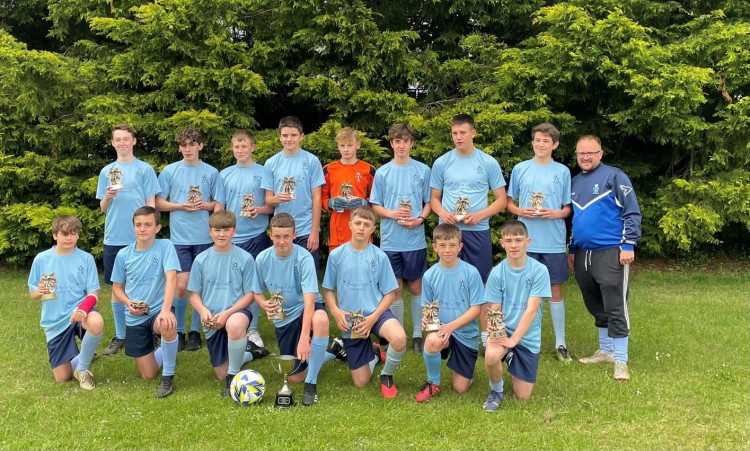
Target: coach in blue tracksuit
{"points": [[606, 227]]}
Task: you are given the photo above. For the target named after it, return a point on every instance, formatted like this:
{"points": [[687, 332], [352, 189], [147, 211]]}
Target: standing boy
{"points": [[364, 280], [293, 185], [247, 200], [606, 228], [146, 271], [287, 271], [401, 197], [139, 187], [190, 191], [348, 185], [70, 274], [517, 286], [456, 287], [222, 285], [463, 176], [542, 188]]}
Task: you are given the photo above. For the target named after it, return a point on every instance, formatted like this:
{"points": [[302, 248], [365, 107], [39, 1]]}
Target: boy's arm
{"points": [[272, 200], [303, 347], [365, 326], [107, 199], [151, 201], [532, 307], [313, 240], [325, 191], [197, 303], [436, 202], [169, 289], [498, 205], [338, 315], [468, 316]]}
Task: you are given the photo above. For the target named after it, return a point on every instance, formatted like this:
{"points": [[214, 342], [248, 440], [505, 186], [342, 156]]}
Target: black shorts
{"points": [[63, 347], [255, 245], [359, 351], [462, 359], [217, 344], [110, 253], [288, 337], [140, 340], [408, 265]]}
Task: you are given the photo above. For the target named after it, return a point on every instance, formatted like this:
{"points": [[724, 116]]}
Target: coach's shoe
{"points": [[254, 336], [427, 391], [493, 401], [227, 386], [180, 341], [166, 387], [85, 379], [598, 357], [194, 342], [562, 354], [115, 345], [257, 351], [377, 349], [621, 371], [310, 395], [418, 344], [387, 387], [337, 348]]}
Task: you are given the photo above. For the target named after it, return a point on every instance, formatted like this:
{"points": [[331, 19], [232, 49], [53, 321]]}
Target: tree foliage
{"points": [[664, 84]]}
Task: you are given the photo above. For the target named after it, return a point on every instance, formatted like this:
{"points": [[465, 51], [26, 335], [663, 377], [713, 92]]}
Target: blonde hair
{"points": [[66, 224], [243, 135], [447, 232], [223, 219], [347, 135], [282, 221], [364, 212]]}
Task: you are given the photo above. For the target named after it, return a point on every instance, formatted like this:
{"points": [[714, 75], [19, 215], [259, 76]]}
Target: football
{"points": [[248, 387]]}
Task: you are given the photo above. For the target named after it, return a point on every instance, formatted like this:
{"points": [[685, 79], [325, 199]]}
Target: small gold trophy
{"points": [[495, 324], [49, 282], [354, 319], [404, 204], [285, 366], [209, 324], [141, 306], [248, 202], [288, 186], [277, 298], [462, 207], [537, 199], [115, 178], [194, 193], [346, 190], [430, 311]]}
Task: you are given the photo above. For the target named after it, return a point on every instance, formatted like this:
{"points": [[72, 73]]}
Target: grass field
{"points": [[688, 390]]}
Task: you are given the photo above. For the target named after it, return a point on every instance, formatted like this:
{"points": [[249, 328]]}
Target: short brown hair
{"points": [[124, 127], [402, 130], [446, 232], [223, 219], [514, 227], [282, 221], [364, 212], [290, 121], [243, 135], [589, 137], [461, 119], [66, 224], [147, 210], [346, 135], [548, 129], [189, 135]]}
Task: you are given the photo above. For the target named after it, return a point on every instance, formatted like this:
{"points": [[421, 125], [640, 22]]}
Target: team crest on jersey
{"points": [[462, 284], [205, 178], [528, 282], [625, 190], [373, 266], [480, 169], [596, 189], [305, 165], [154, 260], [415, 176], [557, 178], [358, 177], [236, 266], [80, 268], [256, 178]]}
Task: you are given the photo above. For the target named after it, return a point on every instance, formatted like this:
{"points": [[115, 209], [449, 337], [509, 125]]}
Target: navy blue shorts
{"points": [[140, 340], [217, 344], [522, 363], [408, 265], [302, 241], [462, 359], [477, 251], [288, 338], [110, 253], [187, 253], [557, 265], [359, 351], [63, 348], [255, 245]]}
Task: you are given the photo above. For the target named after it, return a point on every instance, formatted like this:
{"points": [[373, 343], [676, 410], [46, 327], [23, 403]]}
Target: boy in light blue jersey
{"points": [[65, 279], [137, 187], [517, 286], [293, 185], [364, 282], [457, 288], [188, 219], [146, 271], [222, 285], [247, 200], [404, 181], [287, 271], [541, 187]]}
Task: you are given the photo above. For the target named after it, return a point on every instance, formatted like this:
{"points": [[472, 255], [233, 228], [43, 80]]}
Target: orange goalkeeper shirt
{"points": [[361, 176]]}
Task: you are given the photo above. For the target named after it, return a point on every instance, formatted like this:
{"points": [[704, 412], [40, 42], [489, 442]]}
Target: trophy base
{"points": [[292, 196], [402, 221], [460, 218], [49, 297], [117, 187], [245, 214], [432, 327], [284, 400], [356, 336], [279, 315], [498, 334]]}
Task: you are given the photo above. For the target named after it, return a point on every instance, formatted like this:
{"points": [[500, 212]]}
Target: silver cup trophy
{"points": [[430, 311], [285, 366]]}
